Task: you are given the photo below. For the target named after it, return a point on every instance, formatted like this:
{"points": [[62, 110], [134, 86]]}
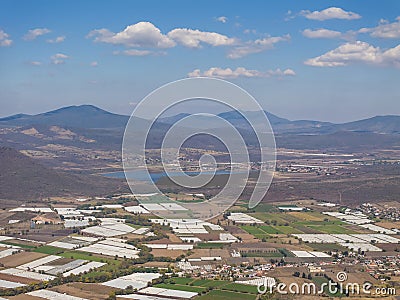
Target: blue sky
{"points": [[324, 60]]}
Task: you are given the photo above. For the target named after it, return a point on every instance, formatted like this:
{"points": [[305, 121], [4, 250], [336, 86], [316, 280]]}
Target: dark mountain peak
{"points": [[14, 117], [81, 109], [78, 116]]}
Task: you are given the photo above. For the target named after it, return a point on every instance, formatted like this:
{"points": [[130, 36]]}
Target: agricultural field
{"points": [[181, 280], [85, 290], [49, 250], [210, 246], [86, 256], [243, 288], [223, 295], [186, 288], [214, 289], [266, 255], [19, 243], [332, 228], [254, 230], [286, 223], [265, 207], [20, 259], [326, 247], [208, 283], [287, 229]]}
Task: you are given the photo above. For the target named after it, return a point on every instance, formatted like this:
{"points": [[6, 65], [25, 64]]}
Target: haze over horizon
{"points": [[334, 61]]}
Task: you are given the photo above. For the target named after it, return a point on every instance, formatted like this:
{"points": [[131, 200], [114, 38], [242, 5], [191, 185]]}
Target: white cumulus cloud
{"points": [[143, 38], [94, 64], [256, 46], [330, 13], [4, 39], [289, 72], [240, 72], [384, 30], [142, 34], [357, 52], [146, 35], [34, 33], [193, 38], [321, 33]]}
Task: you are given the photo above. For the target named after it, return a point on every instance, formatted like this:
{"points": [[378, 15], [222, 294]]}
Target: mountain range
{"points": [[55, 153], [92, 117]]}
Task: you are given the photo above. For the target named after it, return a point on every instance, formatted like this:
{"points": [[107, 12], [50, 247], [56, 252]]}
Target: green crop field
{"points": [[265, 208], [209, 245], [223, 295], [215, 289], [270, 229], [187, 288], [49, 250], [252, 229], [235, 287], [266, 254], [180, 280], [85, 256], [264, 231], [209, 283], [268, 217], [288, 229], [326, 247], [18, 244]]}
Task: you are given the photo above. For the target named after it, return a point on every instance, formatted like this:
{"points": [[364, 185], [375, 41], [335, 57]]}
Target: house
{"points": [[46, 219]]}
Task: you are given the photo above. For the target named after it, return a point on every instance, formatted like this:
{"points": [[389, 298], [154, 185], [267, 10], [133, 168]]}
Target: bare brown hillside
{"points": [[21, 177]]}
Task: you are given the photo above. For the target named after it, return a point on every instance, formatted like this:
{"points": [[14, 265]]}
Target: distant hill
{"points": [[82, 116], [234, 117], [379, 124], [15, 117], [22, 177]]}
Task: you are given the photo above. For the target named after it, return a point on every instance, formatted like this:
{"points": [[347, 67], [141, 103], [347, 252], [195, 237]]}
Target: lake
{"points": [[141, 175]]}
